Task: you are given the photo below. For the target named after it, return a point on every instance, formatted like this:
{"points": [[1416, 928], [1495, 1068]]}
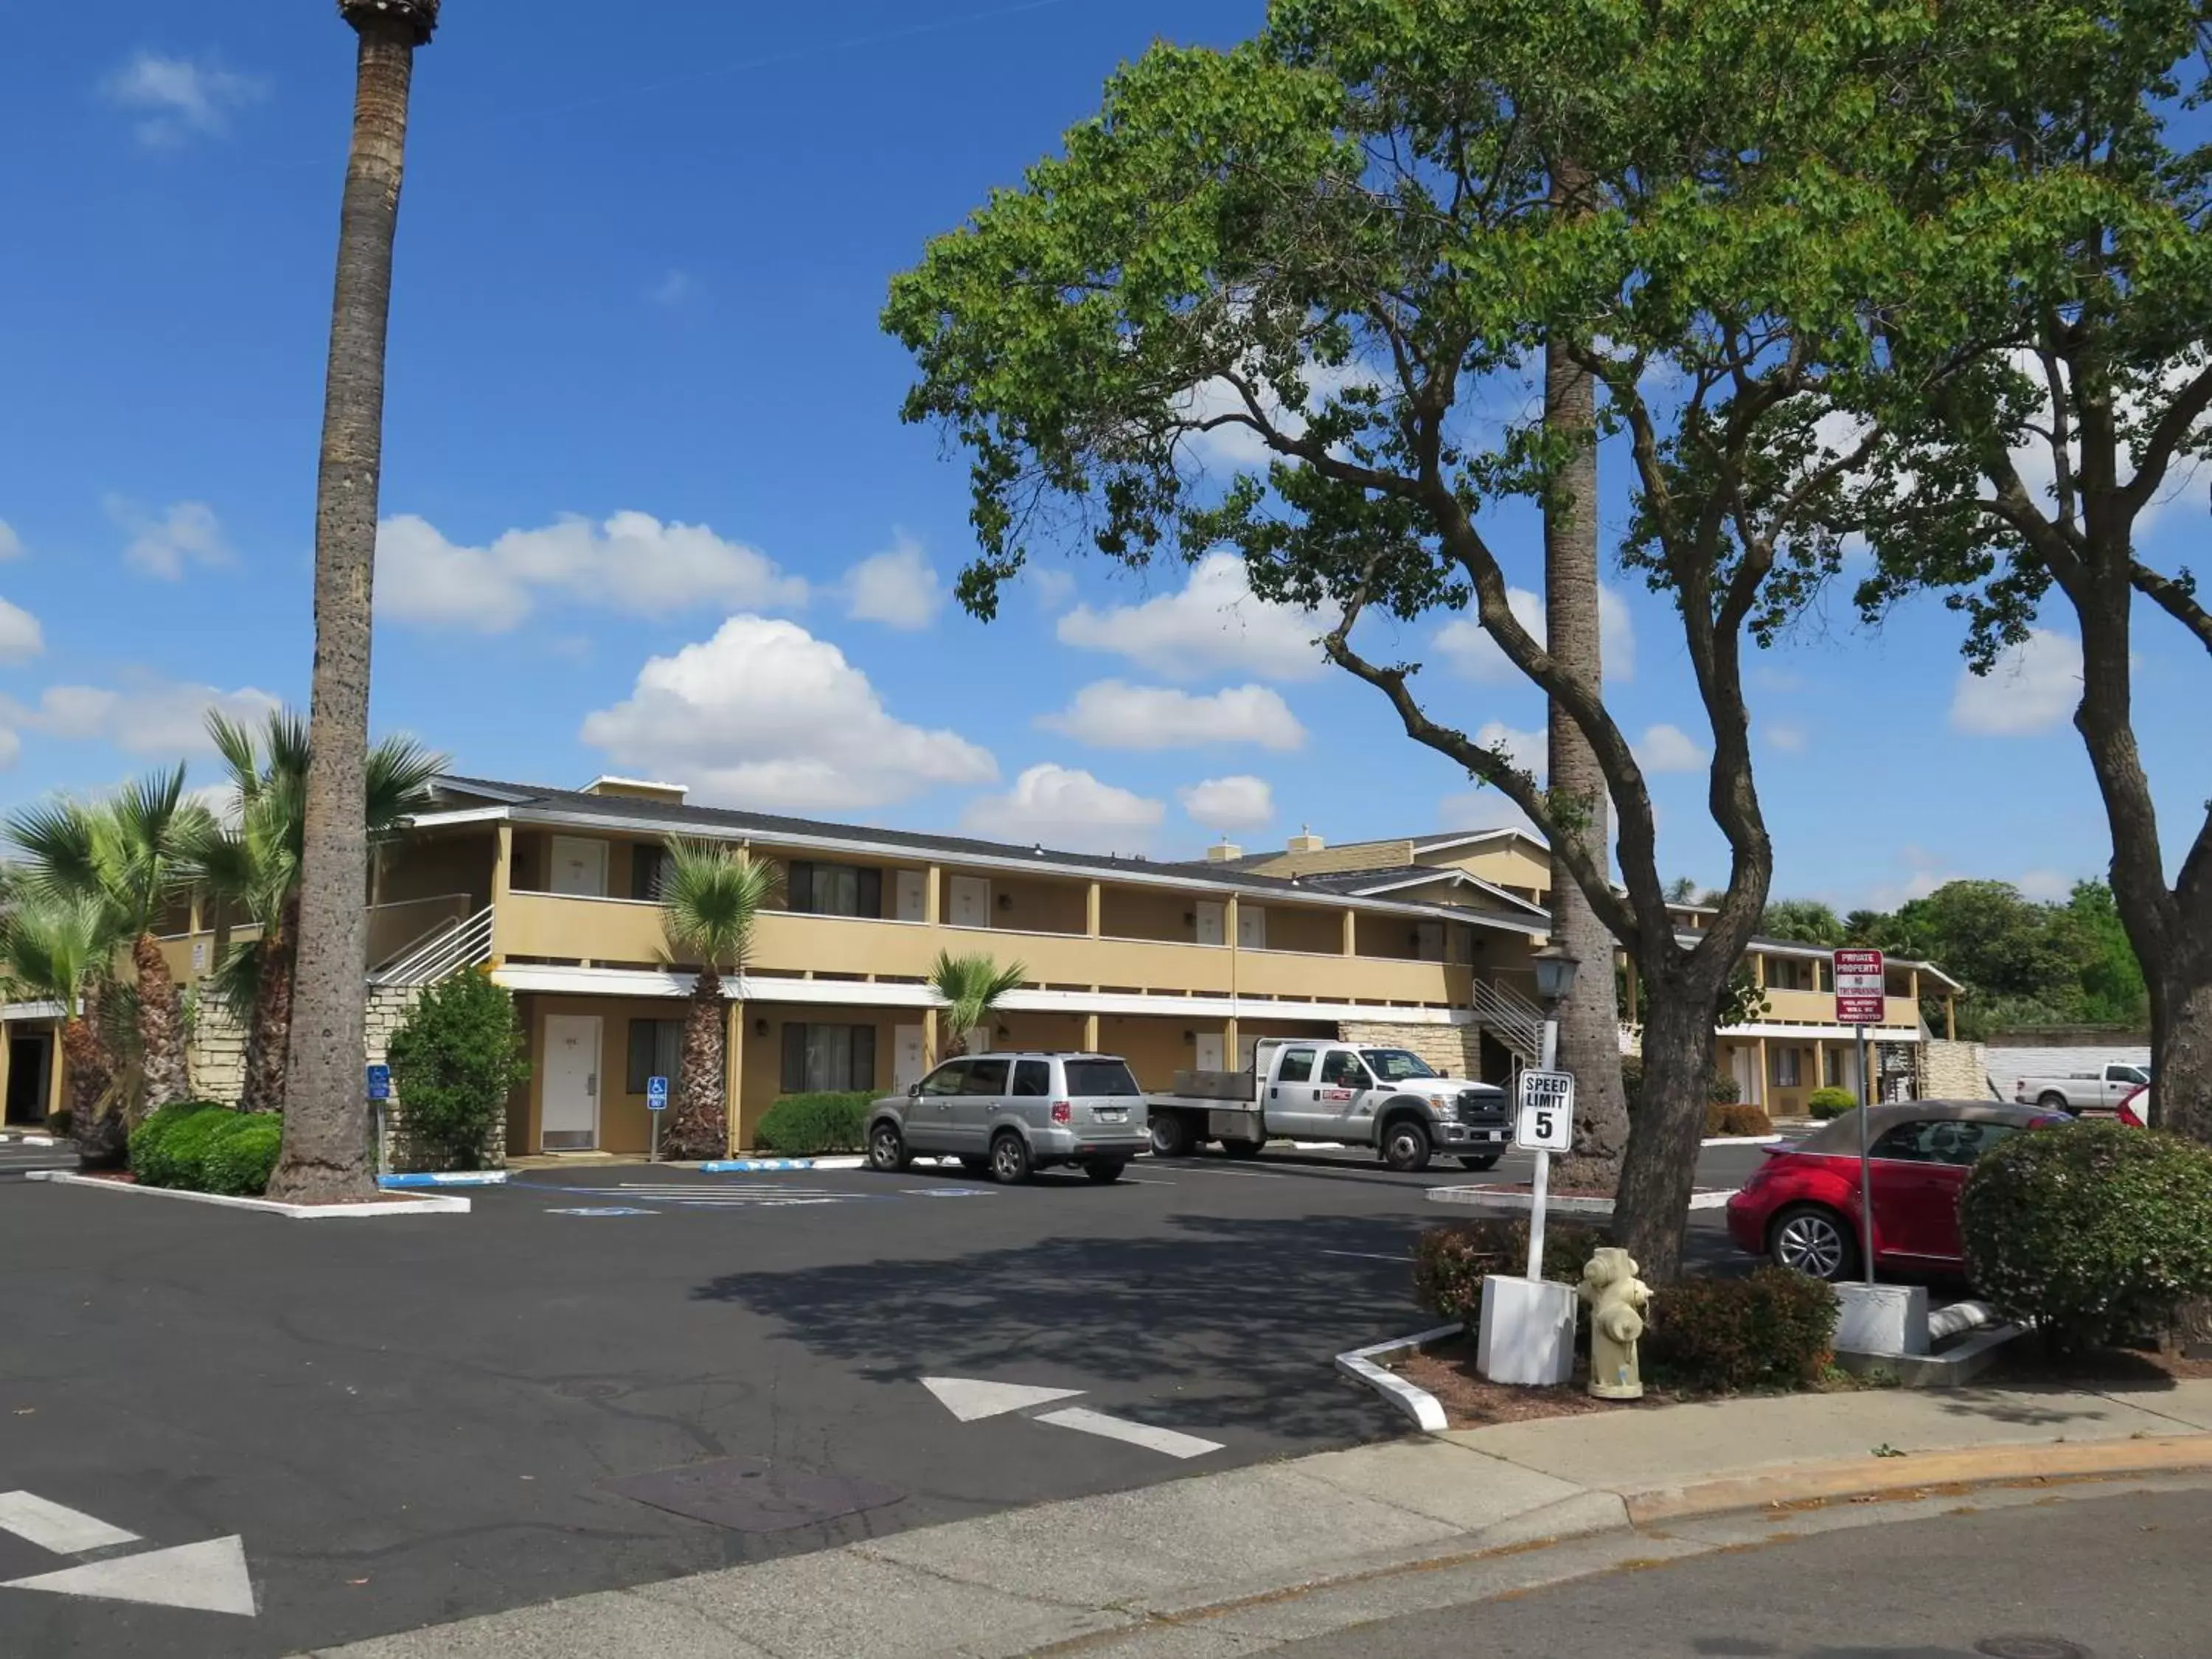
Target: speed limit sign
{"points": [[1547, 1112]]}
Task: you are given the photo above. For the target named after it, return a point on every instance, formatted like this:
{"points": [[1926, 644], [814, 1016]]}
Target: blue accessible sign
{"points": [[656, 1094], [379, 1083]]}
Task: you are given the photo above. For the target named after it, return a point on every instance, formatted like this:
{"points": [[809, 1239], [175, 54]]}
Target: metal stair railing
{"points": [[446, 950], [1516, 1022]]}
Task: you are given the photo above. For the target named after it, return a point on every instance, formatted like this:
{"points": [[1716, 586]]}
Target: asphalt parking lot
{"points": [[414, 1421]]}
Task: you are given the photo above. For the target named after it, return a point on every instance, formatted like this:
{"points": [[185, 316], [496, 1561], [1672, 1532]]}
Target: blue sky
{"points": [[649, 507]]}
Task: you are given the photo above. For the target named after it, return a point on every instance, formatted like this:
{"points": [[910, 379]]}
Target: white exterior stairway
{"points": [[1512, 1018]]}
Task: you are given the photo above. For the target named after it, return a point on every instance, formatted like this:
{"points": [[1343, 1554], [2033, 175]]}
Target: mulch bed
{"points": [[1472, 1401]]}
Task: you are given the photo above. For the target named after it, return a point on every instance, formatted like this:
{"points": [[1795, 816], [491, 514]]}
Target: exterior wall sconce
{"points": [[760, 1028]]}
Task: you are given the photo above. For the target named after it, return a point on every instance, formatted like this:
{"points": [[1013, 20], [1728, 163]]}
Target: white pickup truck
{"points": [[1302, 1089], [2081, 1091]]}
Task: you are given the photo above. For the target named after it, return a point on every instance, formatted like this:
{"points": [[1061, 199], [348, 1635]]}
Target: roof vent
{"points": [[1225, 851], [668, 794], [1306, 841]]}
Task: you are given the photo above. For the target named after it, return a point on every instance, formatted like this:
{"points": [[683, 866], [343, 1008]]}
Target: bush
{"points": [[1774, 1329], [1830, 1102], [1631, 1081], [167, 1147], [2095, 1231], [1722, 1089], [1451, 1262], [242, 1154], [1733, 1120], [455, 1058], [200, 1146], [803, 1125]]}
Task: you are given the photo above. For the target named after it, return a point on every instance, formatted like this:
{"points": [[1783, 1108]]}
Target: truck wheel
{"points": [[2051, 1101], [1479, 1160], [1242, 1148], [887, 1149], [1171, 1136], [1405, 1147], [1009, 1159]]}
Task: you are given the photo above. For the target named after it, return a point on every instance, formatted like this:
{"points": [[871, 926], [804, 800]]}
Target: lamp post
{"points": [[1555, 967]]}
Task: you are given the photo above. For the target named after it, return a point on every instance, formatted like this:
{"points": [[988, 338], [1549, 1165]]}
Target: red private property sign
{"points": [[1859, 998]]}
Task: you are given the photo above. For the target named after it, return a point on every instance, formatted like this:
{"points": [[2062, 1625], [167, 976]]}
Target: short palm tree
{"points": [[128, 853], [972, 988], [251, 863], [711, 895], [59, 947]]}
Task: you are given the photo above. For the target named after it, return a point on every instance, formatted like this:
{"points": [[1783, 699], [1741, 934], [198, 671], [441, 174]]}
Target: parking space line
{"points": [[1368, 1255], [1086, 1421], [1243, 1175]]}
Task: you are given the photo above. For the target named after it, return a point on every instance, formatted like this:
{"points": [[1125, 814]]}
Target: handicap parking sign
{"points": [[379, 1083], [656, 1094]]}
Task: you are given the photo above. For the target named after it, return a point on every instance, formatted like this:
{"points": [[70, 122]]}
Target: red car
{"points": [[1801, 1206]]}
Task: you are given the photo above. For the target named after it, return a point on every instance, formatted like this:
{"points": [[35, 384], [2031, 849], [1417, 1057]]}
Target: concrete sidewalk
{"points": [[1240, 1562]]}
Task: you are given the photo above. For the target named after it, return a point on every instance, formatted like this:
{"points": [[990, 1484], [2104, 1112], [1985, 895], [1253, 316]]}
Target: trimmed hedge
{"points": [[803, 1126], [1738, 1120], [1451, 1262], [202, 1146], [1830, 1102], [2095, 1231], [1774, 1329], [455, 1058]]}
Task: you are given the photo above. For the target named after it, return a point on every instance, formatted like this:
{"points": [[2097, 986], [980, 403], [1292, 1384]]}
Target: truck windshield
{"points": [[1099, 1077], [1394, 1065]]}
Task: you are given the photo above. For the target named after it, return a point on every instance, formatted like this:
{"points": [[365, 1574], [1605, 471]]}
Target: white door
{"points": [[1211, 1055], [569, 1120], [580, 866], [971, 902], [1251, 927], [1210, 918], [913, 887], [906, 1057]]}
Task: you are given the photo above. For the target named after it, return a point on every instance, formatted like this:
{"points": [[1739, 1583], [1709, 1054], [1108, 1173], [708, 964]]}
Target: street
{"points": [[417, 1420]]}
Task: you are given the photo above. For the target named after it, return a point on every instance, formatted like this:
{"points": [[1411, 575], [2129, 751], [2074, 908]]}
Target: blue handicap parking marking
{"points": [[650, 1197], [602, 1209]]}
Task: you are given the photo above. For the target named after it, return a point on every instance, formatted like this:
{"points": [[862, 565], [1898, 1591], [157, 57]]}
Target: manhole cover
{"points": [[747, 1495], [2031, 1647]]}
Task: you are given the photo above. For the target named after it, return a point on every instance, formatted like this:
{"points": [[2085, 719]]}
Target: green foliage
{"points": [[1742, 1001], [455, 1058], [806, 1124], [711, 897], [1774, 1329], [1830, 1102], [2095, 1231], [51, 941], [1722, 1089], [204, 1147], [1451, 1262], [1808, 921], [1735, 1119], [971, 987], [1631, 1081]]}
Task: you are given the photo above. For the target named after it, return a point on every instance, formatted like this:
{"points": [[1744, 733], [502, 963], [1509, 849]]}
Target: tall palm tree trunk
{"points": [[1589, 1019], [100, 1140], [165, 1073], [699, 1116], [270, 1022], [326, 1128]]}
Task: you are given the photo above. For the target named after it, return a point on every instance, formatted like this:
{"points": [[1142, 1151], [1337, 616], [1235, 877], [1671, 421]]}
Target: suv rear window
{"points": [[1099, 1077]]}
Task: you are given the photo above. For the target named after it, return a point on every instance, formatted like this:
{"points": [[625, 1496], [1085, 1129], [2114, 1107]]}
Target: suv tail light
{"points": [[1062, 1111]]}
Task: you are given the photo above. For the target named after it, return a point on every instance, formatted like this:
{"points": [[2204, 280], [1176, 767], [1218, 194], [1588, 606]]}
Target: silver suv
{"points": [[1011, 1114]]}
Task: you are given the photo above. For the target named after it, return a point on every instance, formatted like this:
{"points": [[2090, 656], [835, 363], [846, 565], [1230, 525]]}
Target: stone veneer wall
{"points": [[217, 1053], [1456, 1049], [1953, 1071]]}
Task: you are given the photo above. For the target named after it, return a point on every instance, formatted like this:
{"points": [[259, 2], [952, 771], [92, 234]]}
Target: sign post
{"points": [[1545, 1125], [656, 1103], [1860, 1001], [379, 1090]]}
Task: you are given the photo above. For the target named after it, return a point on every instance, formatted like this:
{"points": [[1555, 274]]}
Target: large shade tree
{"points": [[1342, 244], [326, 1125]]}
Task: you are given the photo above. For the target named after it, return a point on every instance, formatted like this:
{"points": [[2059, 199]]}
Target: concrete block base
{"points": [[1882, 1319], [1528, 1333]]}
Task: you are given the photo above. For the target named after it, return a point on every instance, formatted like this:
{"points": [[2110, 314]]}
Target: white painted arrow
{"points": [[969, 1398], [56, 1526], [210, 1577]]}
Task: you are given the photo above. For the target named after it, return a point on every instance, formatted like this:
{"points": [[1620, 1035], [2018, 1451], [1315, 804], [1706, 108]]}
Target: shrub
{"points": [[2095, 1231], [1733, 1120], [242, 1154], [803, 1125], [1631, 1081], [1451, 1262], [1830, 1102], [201, 1147], [1722, 1089], [1774, 1329], [455, 1058], [167, 1147]]}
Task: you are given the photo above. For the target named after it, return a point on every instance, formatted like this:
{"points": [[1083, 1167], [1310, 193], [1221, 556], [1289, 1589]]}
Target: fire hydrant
{"points": [[1617, 1300]]}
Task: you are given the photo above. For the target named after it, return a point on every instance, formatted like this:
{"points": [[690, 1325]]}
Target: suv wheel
{"points": [[887, 1149], [1405, 1147], [1816, 1241], [1104, 1170], [1009, 1159]]}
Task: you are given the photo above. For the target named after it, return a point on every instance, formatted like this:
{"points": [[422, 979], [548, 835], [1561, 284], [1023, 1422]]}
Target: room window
{"points": [[1786, 1071], [833, 1057], [836, 889], [648, 872], [656, 1049]]}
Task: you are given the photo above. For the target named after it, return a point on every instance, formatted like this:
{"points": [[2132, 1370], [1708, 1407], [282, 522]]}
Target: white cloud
{"points": [[1670, 748], [764, 714], [1528, 750], [186, 533], [1214, 625], [1114, 714], [11, 544], [179, 98], [1789, 738], [2051, 886], [1237, 803], [1063, 806], [1480, 809], [146, 715], [632, 563], [895, 587], [1054, 588], [673, 289], [20, 637], [2032, 687], [1239, 446], [1475, 654]]}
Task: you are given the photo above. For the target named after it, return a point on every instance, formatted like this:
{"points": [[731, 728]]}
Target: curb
{"points": [[1423, 1407], [772, 1165], [438, 1204], [445, 1178], [29, 1140], [1743, 1141], [1514, 1201]]}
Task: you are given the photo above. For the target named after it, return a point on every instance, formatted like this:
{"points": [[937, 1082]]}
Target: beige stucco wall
{"points": [[1147, 912]]}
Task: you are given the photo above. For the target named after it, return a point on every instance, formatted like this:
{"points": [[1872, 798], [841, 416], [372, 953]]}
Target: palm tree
{"points": [[325, 1152], [56, 946], [253, 866], [1683, 890], [971, 987], [710, 896], [129, 854]]}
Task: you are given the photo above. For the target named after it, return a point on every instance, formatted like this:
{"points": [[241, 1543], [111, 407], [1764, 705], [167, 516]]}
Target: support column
{"points": [[1352, 932], [1229, 1045], [7, 1058], [734, 1071], [1819, 1065], [54, 1070], [1759, 969], [1090, 910], [1091, 1033], [1759, 1093], [503, 875], [1950, 1018], [933, 910], [928, 1038]]}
